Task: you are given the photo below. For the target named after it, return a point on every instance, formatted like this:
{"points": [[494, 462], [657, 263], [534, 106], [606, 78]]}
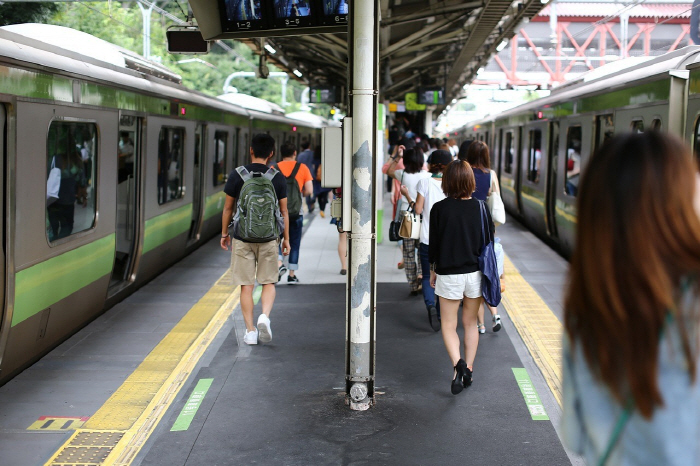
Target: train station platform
{"points": [[164, 378]]}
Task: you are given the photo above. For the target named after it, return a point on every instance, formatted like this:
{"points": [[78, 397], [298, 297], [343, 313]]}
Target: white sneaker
{"points": [[264, 328], [251, 338], [481, 328], [497, 323]]}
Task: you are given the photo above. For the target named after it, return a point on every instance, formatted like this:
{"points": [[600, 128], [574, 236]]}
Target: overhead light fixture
{"points": [[502, 45], [270, 49], [297, 73]]}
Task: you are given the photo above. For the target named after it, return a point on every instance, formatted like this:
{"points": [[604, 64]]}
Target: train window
{"points": [[605, 129], [656, 124], [220, 146], [508, 153], [170, 164], [535, 156], [637, 126], [573, 160], [70, 171]]}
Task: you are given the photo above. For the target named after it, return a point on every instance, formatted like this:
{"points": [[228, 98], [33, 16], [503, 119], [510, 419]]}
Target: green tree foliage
{"points": [[26, 12], [121, 24]]}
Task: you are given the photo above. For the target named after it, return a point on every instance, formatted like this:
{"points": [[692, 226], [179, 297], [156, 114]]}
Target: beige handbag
{"points": [[410, 225]]}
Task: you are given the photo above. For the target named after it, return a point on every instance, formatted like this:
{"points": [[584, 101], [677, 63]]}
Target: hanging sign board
{"points": [[236, 19]]}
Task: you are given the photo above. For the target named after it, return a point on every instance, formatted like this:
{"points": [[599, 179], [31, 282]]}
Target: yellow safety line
{"points": [[136, 408], [537, 325]]}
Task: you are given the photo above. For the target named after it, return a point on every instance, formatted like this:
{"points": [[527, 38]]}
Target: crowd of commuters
{"points": [[630, 350]]}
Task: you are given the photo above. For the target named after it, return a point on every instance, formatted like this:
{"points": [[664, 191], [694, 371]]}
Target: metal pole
{"points": [[361, 305], [146, 15]]}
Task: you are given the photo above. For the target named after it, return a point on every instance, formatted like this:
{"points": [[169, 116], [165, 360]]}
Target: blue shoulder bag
{"points": [[490, 280]]}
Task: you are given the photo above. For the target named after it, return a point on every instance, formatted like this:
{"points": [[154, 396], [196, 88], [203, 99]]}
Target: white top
{"points": [[410, 180], [431, 190]]}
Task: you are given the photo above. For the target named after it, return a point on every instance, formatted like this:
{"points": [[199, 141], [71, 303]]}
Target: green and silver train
{"points": [[539, 149], [141, 162]]}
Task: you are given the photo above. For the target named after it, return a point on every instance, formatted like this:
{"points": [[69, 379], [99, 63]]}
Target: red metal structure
{"points": [[566, 39]]}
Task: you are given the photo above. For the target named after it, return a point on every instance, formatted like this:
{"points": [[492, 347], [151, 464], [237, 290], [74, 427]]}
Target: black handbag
{"points": [[490, 280], [394, 228]]}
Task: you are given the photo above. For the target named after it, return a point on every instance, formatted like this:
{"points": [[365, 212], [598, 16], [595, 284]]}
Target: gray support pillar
{"points": [[428, 126], [146, 15], [361, 304]]}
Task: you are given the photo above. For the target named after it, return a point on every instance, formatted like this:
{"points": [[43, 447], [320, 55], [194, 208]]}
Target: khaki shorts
{"points": [[253, 261]]}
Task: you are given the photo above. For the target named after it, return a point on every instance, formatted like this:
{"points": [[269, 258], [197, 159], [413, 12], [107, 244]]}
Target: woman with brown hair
{"points": [[456, 240], [477, 155], [630, 394]]}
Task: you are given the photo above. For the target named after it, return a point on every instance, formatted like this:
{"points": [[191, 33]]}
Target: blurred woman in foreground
{"points": [[630, 391]]}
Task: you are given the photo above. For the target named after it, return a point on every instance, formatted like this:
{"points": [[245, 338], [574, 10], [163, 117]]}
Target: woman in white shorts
{"points": [[456, 240]]}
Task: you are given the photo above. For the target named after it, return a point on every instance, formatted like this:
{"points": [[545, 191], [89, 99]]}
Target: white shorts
{"points": [[459, 285]]}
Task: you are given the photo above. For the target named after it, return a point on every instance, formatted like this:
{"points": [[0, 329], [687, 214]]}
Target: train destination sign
{"points": [[230, 19], [323, 95], [433, 95]]}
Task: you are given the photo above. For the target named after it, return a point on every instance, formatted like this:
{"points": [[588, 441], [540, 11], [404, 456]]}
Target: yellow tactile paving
{"points": [[118, 430], [537, 325]]}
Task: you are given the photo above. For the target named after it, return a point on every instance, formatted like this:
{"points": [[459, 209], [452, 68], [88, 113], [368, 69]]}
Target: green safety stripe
{"points": [[167, 226], [532, 399], [103, 96], [48, 282], [186, 416], [27, 83], [274, 125], [214, 205]]}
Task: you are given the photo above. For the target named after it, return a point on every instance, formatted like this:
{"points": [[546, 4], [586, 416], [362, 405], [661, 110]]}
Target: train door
{"points": [[551, 182], [200, 138], [3, 271], [128, 201]]}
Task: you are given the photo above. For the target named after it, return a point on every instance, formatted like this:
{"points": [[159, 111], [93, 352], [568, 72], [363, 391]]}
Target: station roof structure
{"points": [[421, 43]]}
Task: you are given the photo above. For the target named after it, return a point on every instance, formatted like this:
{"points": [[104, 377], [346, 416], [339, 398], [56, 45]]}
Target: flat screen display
{"points": [[434, 95], [335, 12], [323, 95], [292, 13], [243, 15]]}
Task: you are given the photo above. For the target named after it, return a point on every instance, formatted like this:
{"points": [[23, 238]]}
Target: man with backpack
{"points": [[258, 195], [299, 182]]}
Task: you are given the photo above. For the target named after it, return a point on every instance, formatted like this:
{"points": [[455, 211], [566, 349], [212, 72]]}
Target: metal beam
{"points": [[444, 38], [419, 35], [430, 12], [414, 60], [322, 43]]}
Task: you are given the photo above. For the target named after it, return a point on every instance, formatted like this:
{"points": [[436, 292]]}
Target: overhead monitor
{"points": [[186, 41], [335, 12], [293, 13], [244, 15], [323, 95], [433, 95]]}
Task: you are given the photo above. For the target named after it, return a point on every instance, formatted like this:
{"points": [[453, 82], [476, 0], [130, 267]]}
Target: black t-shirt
{"points": [[235, 182], [455, 235]]}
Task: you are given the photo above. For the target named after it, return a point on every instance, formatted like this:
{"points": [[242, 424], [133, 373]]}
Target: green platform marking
{"points": [[184, 420], [257, 292], [532, 399]]}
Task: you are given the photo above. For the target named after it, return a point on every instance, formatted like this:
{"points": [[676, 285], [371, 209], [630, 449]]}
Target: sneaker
{"points": [[481, 328], [251, 338], [292, 279], [323, 214], [264, 328], [496, 323], [283, 269]]}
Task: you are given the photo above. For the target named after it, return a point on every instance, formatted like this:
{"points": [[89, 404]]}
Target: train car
{"points": [[539, 149], [112, 172]]}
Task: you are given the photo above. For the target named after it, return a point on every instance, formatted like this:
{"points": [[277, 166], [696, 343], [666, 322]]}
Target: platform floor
{"points": [[283, 402]]}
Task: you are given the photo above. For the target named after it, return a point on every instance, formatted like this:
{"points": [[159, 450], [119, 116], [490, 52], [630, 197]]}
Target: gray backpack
{"points": [[258, 218]]}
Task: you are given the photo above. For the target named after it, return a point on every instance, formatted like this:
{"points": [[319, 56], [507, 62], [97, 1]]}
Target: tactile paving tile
{"points": [[537, 325], [87, 448]]}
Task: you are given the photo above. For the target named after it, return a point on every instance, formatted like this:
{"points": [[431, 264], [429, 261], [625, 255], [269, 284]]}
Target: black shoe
{"points": [[466, 376], [292, 279], [434, 318], [457, 384]]}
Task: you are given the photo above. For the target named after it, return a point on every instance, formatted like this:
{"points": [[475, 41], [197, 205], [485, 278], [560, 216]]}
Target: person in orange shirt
{"points": [[299, 184]]}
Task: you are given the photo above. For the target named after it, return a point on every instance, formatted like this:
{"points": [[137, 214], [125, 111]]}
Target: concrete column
{"points": [[428, 127], [361, 304]]}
